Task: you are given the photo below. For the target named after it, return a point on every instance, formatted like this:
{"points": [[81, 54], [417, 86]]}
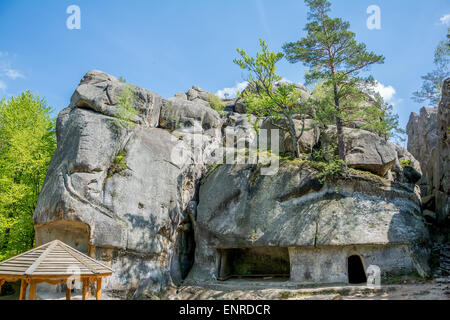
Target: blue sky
{"points": [[168, 46]]}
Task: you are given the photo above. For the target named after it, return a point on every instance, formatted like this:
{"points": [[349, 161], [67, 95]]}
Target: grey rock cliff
{"points": [[239, 208], [144, 198], [131, 218], [428, 143]]}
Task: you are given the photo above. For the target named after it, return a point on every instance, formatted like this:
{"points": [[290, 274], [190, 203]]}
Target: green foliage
{"points": [[381, 119], [27, 143], [334, 56], [332, 167], [265, 101], [118, 165], [364, 105], [431, 90], [405, 163], [216, 104], [125, 110]]}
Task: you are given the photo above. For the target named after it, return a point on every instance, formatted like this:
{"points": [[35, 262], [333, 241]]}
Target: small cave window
{"points": [[260, 262], [356, 273]]}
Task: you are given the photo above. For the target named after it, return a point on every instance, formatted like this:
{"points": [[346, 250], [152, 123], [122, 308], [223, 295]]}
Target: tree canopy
{"points": [[27, 143], [267, 97], [431, 90], [334, 56]]}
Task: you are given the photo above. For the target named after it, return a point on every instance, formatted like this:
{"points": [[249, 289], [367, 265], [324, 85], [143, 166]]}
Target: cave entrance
{"points": [[261, 262], [356, 273]]}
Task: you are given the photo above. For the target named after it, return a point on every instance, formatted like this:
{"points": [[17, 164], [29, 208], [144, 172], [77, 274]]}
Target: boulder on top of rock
{"points": [[309, 137], [404, 156], [240, 129], [177, 113], [411, 175], [102, 92], [363, 149], [197, 94], [406, 167]]}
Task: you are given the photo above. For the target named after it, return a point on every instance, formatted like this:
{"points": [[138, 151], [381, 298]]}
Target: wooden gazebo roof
{"points": [[53, 259], [53, 262]]}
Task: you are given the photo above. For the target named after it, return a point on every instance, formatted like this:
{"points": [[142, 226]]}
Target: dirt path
{"points": [[438, 289], [243, 289]]}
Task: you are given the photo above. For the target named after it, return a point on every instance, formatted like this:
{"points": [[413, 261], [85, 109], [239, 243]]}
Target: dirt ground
{"points": [[279, 289], [245, 289]]}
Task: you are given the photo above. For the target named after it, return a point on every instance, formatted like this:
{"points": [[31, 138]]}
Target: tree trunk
{"points": [[293, 133], [339, 127]]}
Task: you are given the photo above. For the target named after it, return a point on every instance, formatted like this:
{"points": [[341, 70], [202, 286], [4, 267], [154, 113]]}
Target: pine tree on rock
{"points": [[334, 56]]}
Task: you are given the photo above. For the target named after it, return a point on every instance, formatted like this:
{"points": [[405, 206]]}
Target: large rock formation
{"points": [[118, 192], [293, 212], [428, 143], [422, 143], [442, 180], [364, 150], [125, 190]]}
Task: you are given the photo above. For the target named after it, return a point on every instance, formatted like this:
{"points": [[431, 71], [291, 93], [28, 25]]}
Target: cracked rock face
{"points": [[238, 208], [135, 197], [428, 142], [128, 218], [364, 150], [422, 142]]}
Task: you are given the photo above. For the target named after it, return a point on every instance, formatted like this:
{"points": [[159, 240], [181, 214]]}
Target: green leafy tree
{"points": [[27, 143], [363, 106], [333, 56], [379, 117], [264, 100], [431, 90]]}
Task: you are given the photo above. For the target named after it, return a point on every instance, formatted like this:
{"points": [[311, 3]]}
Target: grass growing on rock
{"points": [[118, 165], [216, 104]]}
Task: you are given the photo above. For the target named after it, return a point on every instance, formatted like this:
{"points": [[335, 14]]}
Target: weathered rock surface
{"points": [[100, 92], [197, 94], [238, 208], [129, 195], [240, 131], [443, 171], [428, 142], [364, 150], [422, 143], [310, 134], [130, 218]]}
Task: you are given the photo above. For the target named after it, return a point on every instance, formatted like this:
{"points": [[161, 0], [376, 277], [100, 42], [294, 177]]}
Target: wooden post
{"points": [[23, 289], [32, 295], [99, 288], [68, 289], [85, 291], [1, 284]]}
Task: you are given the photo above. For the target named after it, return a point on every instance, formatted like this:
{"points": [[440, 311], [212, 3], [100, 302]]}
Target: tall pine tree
{"points": [[333, 56]]}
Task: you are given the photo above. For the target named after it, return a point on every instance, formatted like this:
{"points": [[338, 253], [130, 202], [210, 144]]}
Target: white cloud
{"points": [[386, 92], [445, 19], [13, 74], [2, 86], [232, 92]]}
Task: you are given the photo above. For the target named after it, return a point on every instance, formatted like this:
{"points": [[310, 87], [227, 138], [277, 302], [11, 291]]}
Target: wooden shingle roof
{"points": [[53, 259]]}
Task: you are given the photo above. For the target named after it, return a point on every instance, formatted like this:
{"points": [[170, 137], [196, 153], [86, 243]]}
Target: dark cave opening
{"points": [[257, 262], [187, 252], [356, 273]]}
